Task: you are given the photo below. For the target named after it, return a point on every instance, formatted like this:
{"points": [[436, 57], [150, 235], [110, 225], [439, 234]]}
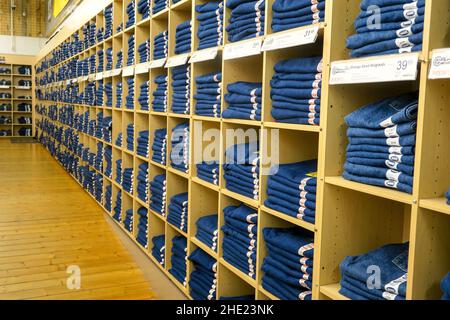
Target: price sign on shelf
{"points": [[204, 55], [91, 77], [440, 64], [157, 63], [240, 50], [116, 72], [142, 68], [128, 71], [400, 67], [99, 76], [291, 39], [176, 61]]}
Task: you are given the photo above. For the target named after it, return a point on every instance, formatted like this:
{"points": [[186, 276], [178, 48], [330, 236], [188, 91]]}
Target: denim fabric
{"points": [[408, 44], [283, 290], [389, 26], [391, 16], [160, 46], [181, 94], [382, 163], [407, 160], [291, 240], [379, 182], [160, 100], [178, 259], [243, 99], [445, 286], [399, 130], [376, 172], [408, 140], [199, 257], [157, 203], [250, 27], [409, 151]]}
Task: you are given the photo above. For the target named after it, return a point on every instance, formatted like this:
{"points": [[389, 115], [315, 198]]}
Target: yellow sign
{"points": [[58, 6]]}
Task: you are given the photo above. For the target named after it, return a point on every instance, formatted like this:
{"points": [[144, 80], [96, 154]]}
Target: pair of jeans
{"points": [[157, 203], [201, 258], [292, 240], [382, 163], [378, 172], [252, 26], [243, 154], [283, 290], [399, 130]]}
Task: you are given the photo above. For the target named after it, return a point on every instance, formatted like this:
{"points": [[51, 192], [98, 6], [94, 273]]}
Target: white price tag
{"points": [[5, 87], [91, 77], [399, 67], [291, 39], [75, 80], [142, 68], [157, 63], [204, 55], [440, 64], [176, 61], [128, 71], [68, 82], [99, 76], [116, 72], [84, 78], [239, 50]]}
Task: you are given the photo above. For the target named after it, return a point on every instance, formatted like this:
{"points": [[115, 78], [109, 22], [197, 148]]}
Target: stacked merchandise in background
{"points": [[144, 97], [119, 63], [158, 194], [244, 101], [292, 188], [288, 267], [108, 13], [131, 44], [108, 198], [143, 185], [23, 132], [25, 70], [130, 137], [160, 95], [119, 171], [109, 59], [400, 28], [144, 51], [447, 196], [144, 8], [246, 20], [109, 94], [143, 144], [119, 91], [142, 232], [382, 140], [128, 180], [131, 13], [179, 155], [241, 169], [296, 91], [183, 37], [159, 147], [210, 29], [159, 249], [129, 104], [24, 120], [179, 259], [208, 171], [445, 286], [128, 221], [392, 260], [159, 5], [22, 107], [118, 207], [108, 159], [203, 280], [239, 242], [101, 58], [161, 46], [107, 129], [8, 107], [294, 14], [208, 95], [207, 231], [181, 79], [178, 211], [99, 94]]}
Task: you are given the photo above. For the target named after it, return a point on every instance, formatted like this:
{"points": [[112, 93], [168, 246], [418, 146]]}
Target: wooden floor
{"points": [[48, 223]]}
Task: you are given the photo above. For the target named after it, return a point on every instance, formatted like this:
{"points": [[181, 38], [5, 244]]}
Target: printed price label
{"points": [[99, 76], [4, 87], [204, 55], [142, 68], [116, 72], [157, 63], [291, 39], [440, 64], [75, 80], [128, 71], [401, 67], [239, 50], [84, 78], [177, 60], [91, 77]]}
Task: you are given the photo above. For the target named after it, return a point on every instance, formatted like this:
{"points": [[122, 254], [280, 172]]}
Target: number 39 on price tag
{"points": [[400, 67]]}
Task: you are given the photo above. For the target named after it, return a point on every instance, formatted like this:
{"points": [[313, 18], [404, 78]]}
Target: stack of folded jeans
{"points": [[178, 211], [130, 10], [208, 95], [131, 44], [24, 120], [382, 139], [119, 63], [109, 59], [143, 144], [179, 259], [159, 146], [119, 140], [128, 180], [130, 137], [25, 70], [101, 63], [108, 159], [5, 133], [292, 190], [392, 262], [207, 231], [119, 91], [240, 238], [445, 286], [203, 280], [129, 104], [161, 46], [99, 94], [183, 37], [293, 14], [143, 183], [288, 267], [109, 92], [23, 107], [119, 171], [179, 155], [25, 132], [160, 95], [241, 170], [447, 196], [247, 19], [144, 97], [142, 233], [158, 194], [210, 20], [244, 101], [144, 51], [128, 221], [181, 80], [159, 5], [107, 129], [159, 249], [144, 8], [7, 107], [208, 171], [296, 90], [5, 120], [399, 28], [108, 13], [108, 198], [118, 207]]}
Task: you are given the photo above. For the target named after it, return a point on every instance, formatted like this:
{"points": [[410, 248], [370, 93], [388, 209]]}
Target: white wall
{"points": [[21, 45]]}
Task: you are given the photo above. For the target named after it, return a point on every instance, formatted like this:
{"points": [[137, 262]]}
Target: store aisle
{"points": [[47, 224]]}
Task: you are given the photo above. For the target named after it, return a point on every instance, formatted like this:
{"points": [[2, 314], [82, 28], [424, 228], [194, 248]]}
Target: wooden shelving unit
{"points": [[351, 218]]}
